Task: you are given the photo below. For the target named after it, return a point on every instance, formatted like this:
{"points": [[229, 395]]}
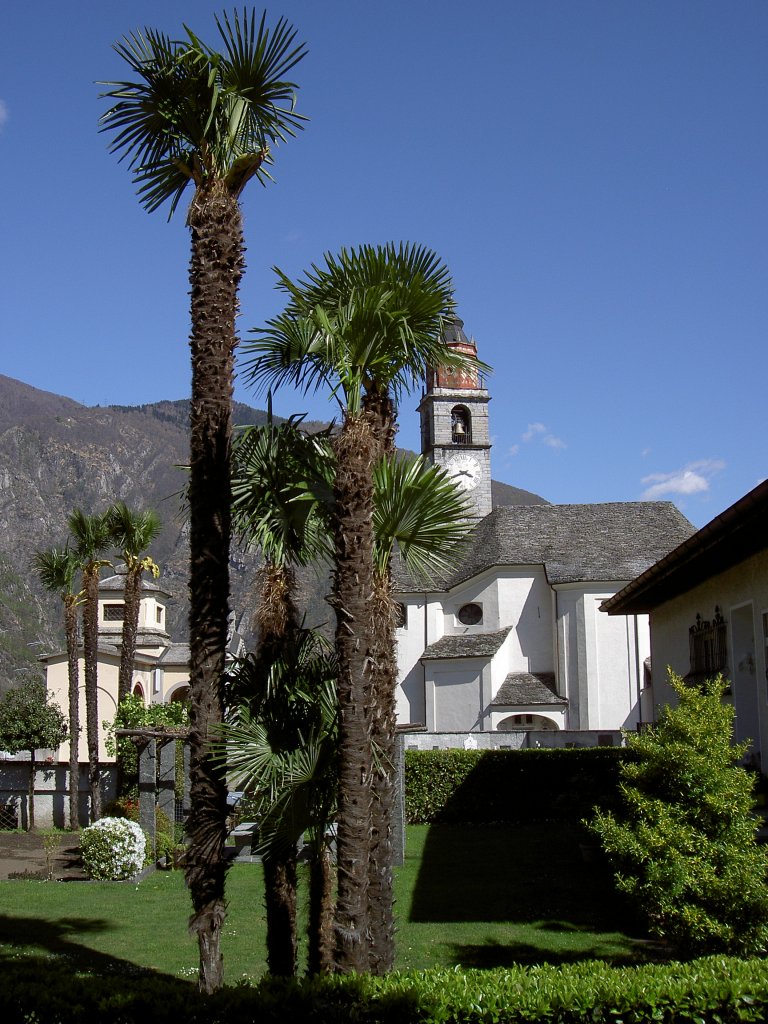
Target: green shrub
{"points": [[113, 849], [509, 785], [684, 844], [709, 991]]}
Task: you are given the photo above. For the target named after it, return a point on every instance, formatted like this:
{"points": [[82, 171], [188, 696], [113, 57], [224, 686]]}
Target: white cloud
{"points": [[533, 430], [645, 453], [3, 113], [538, 431], [691, 479], [514, 449], [554, 442]]}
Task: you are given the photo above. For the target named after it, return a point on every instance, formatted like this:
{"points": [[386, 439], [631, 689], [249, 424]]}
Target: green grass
{"points": [[481, 896]]}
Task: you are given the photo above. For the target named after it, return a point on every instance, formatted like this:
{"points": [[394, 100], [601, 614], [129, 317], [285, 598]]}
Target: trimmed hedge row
{"points": [[509, 785], [715, 990]]}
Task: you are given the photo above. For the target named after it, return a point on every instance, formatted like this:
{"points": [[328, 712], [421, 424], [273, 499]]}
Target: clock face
{"points": [[465, 470]]}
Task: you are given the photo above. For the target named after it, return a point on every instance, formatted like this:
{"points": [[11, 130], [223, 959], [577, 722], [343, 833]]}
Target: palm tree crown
{"points": [[197, 115]]}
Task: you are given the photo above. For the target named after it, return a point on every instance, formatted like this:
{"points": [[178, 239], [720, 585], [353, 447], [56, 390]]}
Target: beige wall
{"points": [[741, 593]]}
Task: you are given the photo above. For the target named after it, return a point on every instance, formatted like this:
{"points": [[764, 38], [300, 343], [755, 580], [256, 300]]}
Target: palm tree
{"points": [[57, 569], [196, 116], [367, 325], [91, 536], [280, 478], [132, 533], [280, 747]]}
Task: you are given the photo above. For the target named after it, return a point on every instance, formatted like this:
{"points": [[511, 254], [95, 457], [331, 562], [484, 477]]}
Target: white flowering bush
{"points": [[113, 849]]}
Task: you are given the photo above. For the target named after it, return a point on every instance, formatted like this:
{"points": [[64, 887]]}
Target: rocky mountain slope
{"points": [[57, 455]]}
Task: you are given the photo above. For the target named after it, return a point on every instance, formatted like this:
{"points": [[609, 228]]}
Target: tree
{"points": [[283, 502], [29, 722], [193, 115], [281, 485], [91, 537], [366, 324], [281, 747], [684, 844], [132, 533], [57, 569]]}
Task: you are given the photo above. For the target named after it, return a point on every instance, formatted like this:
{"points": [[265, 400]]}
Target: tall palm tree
{"points": [[367, 324], [132, 533], [196, 116], [91, 537], [57, 569]]}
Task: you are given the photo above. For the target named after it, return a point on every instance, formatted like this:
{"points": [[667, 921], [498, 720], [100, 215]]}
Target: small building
{"points": [[708, 606], [161, 666]]}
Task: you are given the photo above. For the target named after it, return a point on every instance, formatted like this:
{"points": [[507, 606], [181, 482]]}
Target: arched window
{"points": [[138, 690], [461, 425], [530, 723]]}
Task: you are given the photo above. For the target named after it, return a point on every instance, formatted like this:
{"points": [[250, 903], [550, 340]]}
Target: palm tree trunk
{"points": [[380, 883], [70, 632], [277, 620], [280, 893], [131, 607], [215, 271], [320, 929], [90, 657], [381, 409], [352, 598]]}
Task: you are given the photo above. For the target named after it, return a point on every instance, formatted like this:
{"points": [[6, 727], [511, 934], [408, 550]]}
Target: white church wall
{"points": [[454, 694]]}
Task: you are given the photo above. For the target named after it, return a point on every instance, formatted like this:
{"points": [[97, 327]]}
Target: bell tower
{"points": [[454, 423]]}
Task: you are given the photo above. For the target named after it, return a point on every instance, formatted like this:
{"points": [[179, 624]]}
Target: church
{"points": [[513, 638]]}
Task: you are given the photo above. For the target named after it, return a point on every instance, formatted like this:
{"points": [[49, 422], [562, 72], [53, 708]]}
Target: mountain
{"points": [[57, 455]]}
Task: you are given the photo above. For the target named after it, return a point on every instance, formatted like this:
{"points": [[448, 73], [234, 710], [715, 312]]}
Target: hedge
{"points": [[509, 785], [715, 990]]}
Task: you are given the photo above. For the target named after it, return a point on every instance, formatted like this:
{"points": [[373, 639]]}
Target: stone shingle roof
{"points": [[467, 645], [574, 543], [177, 654], [523, 688], [116, 584]]}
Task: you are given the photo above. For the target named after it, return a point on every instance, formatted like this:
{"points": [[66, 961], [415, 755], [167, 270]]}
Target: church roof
{"points": [[604, 542], [116, 583], [524, 688], [467, 645], [176, 654]]}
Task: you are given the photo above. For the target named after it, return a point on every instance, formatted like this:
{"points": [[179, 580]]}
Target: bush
{"points": [[684, 845], [509, 785], [113, 849], [709, 991]]}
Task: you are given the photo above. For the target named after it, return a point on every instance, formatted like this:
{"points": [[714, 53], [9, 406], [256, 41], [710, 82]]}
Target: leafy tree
{"points": [[57, 569], [195, 116], [132, 533], [91, 537], [29, 722], [365, 324], [684, 845]]}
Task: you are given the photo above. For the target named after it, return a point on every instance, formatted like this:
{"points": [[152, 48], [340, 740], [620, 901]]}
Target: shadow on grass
{"points": [[492, 954], [21, 938]]}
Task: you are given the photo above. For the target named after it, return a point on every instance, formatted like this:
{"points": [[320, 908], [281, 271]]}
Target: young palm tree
{"points": [[280, 747], [58, 569], [91, 537], [132, 533], [196, 116], [280, 477], [367, 324]]}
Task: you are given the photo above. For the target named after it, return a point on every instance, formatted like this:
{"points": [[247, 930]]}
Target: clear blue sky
{"points": [[595, 173]]}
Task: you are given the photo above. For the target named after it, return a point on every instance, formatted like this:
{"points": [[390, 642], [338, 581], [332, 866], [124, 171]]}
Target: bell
{"points": [[459, 428]]}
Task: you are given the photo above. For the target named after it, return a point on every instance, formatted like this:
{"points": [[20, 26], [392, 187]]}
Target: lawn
{"points": [[481, 896]]}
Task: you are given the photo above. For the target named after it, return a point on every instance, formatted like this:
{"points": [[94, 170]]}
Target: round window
{"points": [[470, 614]]}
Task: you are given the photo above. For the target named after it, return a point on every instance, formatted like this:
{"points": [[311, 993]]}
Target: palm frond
{"points": [[420, 511], [369, 318], [193, 114]]}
